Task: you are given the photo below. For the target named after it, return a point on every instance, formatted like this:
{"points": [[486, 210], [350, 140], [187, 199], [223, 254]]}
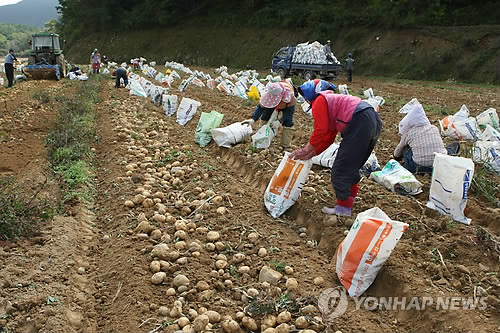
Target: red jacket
{"points": [[332, 113]]}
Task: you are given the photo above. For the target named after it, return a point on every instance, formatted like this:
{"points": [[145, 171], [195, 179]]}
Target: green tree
{"points": [[52, 26]]}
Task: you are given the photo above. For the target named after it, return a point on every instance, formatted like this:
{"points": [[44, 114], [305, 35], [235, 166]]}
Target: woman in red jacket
{"points": [[359, 126]]}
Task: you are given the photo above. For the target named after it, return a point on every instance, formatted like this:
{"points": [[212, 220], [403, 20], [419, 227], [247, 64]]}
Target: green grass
{"points": [[485, 186], [41, 96], [439, 110], [20, 214], [71, 138], [75, 174], [278, 265]]}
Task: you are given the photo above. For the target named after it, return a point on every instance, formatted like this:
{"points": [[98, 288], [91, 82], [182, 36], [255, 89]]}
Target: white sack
{"points": [[396, 178], [490, 134], [265, 135], [169, 104], [451, 179], [137, 89], [363, 252], [327, 157], [186, 110], [286, 185], [488, 117], [488, 154], [464, 129], [230, 135], [408, 106]]}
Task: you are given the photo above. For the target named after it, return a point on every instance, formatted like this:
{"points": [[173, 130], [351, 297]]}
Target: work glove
{"points": [[248, 122], [304, 153]]}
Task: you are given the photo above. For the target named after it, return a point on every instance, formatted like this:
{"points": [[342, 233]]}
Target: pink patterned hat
{"points": [[273, 94]]}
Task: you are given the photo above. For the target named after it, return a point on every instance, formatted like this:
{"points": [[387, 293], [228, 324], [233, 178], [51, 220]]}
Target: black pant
{"points": [[121, 73], [349, 75], [9, 71], [358, 140]]}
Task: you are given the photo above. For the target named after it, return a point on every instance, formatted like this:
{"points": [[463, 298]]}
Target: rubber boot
{"points": [[286, 137], [343, 208]]}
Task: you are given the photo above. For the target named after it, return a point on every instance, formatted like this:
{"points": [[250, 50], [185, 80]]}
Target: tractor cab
{"points": [[45, 51]]}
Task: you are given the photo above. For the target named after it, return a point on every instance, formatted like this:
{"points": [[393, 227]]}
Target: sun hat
{"points": [[273, 94]]}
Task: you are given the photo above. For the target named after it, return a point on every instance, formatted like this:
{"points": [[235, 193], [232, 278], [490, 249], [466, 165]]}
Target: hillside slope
{"points": [[29, 12], [468, 53]]}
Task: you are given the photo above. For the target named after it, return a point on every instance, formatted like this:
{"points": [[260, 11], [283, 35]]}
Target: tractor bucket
{"points": [[42, 72]]}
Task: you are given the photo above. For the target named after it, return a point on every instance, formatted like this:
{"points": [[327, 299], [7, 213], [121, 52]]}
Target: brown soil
{"points": [[98, 266]]}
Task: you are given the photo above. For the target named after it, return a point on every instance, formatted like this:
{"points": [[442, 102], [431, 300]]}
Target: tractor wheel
{"points": [[309, 75], [31, 60], [62, 64]]}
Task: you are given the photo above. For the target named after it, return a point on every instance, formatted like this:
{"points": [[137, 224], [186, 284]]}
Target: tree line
{"points": [[80, 17], [16, 37]]}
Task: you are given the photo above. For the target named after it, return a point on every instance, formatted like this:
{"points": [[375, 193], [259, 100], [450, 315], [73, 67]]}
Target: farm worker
{"points": [[277, 96], [360, 128], [328, 51], [95, 59], [348, 67], [311, 89], [419, 141], [75, 69], [121, 73], [9, 66]]}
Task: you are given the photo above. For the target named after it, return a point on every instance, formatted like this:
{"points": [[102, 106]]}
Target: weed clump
{"points": [[19, 213], [42, 96]]}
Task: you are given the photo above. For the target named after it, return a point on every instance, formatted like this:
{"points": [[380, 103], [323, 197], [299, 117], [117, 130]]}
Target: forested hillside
{"points": [[15, 36], [318, 16], [432, 39]]}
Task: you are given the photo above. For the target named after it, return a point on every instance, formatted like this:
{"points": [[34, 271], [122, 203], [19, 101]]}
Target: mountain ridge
{"points": [[29, 12]]}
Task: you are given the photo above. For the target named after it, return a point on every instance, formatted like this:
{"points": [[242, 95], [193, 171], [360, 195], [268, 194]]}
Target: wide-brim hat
{"points": [[273, 94]]}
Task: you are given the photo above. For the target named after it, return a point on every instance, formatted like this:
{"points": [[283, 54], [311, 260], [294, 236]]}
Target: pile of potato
{"points": [[170, 204]]}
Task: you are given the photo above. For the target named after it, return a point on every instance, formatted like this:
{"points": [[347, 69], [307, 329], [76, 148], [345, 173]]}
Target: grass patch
{"points": [[267, 304], [20, 214], [439, 110], [71, 138], [41, 96], [278, 265], [485, 186]]}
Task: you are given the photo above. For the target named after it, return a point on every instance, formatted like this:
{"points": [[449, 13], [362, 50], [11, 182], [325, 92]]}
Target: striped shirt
{"points": [[424, 141]]}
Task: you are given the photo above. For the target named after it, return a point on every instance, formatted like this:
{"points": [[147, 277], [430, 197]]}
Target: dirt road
{"points": [[91, 270]]}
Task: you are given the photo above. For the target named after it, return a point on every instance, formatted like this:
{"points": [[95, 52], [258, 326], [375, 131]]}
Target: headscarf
{"points": [[415, 118]]}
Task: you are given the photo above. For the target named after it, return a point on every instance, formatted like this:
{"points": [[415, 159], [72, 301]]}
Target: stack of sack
{"points": [[313, 53], [486, 143]]}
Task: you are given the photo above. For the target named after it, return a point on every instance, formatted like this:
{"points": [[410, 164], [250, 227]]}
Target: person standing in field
{"points": [[95, 60], [9, 67], [348, 67]]}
